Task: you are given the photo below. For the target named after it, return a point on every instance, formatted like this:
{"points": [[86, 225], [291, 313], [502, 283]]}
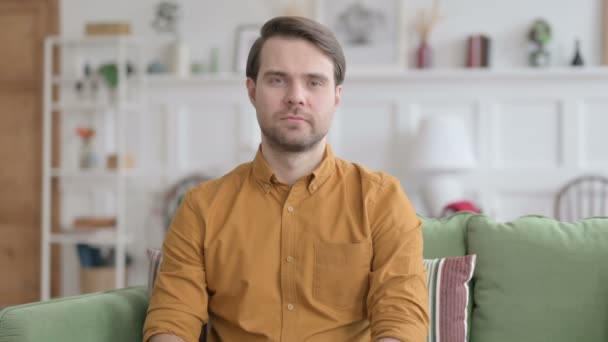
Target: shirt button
{"points": [[290, 209], [313, 187], [290, 259], [290, 307]]}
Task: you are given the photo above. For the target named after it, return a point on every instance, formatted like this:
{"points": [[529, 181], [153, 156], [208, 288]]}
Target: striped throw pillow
{"points": [[448, 284], [155, 258]]}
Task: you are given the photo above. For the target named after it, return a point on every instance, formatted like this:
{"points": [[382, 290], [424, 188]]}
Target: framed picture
{"points": [[371, 32], [245, 37]]}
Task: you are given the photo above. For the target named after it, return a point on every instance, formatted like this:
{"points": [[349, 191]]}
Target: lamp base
{"points": [[440, 191]]}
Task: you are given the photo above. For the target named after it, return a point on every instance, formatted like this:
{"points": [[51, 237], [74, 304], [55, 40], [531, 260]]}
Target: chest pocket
{"points": [[341, 274]]}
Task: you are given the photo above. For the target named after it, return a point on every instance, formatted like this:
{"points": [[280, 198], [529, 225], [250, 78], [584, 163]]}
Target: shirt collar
{"points": [[261, 170], [323, 171], [264, 174]]}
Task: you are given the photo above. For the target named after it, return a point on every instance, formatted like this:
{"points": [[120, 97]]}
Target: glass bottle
{"points": [[87, 155]]}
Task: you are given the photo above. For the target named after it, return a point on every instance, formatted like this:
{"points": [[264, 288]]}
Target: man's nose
{"points": [[295, 95]]}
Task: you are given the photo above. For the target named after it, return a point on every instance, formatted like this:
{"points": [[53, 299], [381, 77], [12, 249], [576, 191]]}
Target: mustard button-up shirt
{"points": [[335, 257]]}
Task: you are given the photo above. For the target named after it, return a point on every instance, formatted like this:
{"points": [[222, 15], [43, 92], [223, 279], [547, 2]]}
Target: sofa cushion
{"points": [[116, 315], [538, 279], [446, 236], [448, 285]]}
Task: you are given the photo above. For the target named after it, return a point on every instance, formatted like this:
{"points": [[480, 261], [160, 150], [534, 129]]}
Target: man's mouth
{"points": [[294, 118]]}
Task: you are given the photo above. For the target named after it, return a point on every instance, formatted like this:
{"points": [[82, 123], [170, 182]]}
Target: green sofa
{"points": [[535, 280]]}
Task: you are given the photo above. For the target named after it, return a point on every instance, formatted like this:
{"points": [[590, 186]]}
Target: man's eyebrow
{"points": [[318, 76], [274, 73]]}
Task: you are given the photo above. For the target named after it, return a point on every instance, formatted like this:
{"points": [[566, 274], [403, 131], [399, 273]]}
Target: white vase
{"points": [[180, 58]]}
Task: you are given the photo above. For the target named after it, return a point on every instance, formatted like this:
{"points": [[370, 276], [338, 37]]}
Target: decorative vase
{"points": [[424, 55], [540, 57], [180, 58]]}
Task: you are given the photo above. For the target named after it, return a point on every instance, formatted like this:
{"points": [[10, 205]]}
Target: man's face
{"points": [[295, 95]]}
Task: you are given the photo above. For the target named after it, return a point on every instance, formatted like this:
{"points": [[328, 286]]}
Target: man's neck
{"points": [[288, 167]]}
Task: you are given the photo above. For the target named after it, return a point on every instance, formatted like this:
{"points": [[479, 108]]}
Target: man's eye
{"points": [[316, 83], [276, 80]]}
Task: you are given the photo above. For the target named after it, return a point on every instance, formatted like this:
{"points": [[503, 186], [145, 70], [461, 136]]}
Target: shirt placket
{"points": [[289, 223]]}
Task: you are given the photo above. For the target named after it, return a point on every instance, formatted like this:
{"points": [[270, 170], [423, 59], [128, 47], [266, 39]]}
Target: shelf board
{"points": [[357, 75], [91, 174], [171, 79], [497, 73], [447, 74], [68, 81], [94, 40], [91, 106], [98, 236], [105, 174], [130, 40]]}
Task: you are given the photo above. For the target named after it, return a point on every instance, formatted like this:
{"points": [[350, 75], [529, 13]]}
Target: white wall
{"points": [[210, 24]]}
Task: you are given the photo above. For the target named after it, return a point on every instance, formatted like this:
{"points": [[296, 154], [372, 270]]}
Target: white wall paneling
{"points": [[367, 129], [513, 203], [532, 129], [526, 133], [570, 132], [593, 139]]}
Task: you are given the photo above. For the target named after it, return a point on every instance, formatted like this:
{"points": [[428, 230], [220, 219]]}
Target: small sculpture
{"points": [[577, 60], [540, 35]]}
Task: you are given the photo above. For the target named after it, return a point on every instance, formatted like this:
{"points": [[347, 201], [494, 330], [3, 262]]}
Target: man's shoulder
{"points": [[230, 180], [372, 177]]}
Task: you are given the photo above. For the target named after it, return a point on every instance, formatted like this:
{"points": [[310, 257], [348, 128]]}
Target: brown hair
{"points": [[301, 28]]}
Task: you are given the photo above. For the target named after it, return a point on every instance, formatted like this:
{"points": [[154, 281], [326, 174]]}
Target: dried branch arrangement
{"points": [[426, 20]]}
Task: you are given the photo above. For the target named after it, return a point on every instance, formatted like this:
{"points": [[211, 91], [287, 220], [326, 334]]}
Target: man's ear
{"points": [[251, 90], [338, 96]]}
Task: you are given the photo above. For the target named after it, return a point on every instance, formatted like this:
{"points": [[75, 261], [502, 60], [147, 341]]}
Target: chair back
{"points": [[175, 194], [584, 196]]}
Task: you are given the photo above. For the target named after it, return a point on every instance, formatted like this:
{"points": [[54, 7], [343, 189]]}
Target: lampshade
{"points": [[443, 144]]}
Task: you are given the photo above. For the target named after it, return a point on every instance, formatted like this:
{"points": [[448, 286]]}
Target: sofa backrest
{"points": [[538, 279], [445, 237]]}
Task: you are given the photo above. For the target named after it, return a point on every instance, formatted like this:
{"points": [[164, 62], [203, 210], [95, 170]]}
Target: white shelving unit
{"points": [[123, 50]]}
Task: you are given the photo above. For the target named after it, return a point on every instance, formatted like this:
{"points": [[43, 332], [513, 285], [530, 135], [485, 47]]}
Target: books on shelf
{"points": [[92, 222], [478, 51], [109, 28]]}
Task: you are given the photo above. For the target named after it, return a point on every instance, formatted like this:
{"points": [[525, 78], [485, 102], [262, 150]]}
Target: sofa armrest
{"points": [[116, 315]]}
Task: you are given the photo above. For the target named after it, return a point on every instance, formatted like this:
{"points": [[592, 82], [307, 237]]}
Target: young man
{"points": [[297, 245]]}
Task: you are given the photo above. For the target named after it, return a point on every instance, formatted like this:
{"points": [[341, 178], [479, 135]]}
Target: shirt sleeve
{"points": [[178, 303], [398, 297]]}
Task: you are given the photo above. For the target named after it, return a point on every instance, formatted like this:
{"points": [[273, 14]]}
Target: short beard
{"points": [[280, 143]]}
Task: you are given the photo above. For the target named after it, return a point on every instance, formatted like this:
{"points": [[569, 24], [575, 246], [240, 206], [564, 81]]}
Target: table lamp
{"points": [[443, 149]]}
